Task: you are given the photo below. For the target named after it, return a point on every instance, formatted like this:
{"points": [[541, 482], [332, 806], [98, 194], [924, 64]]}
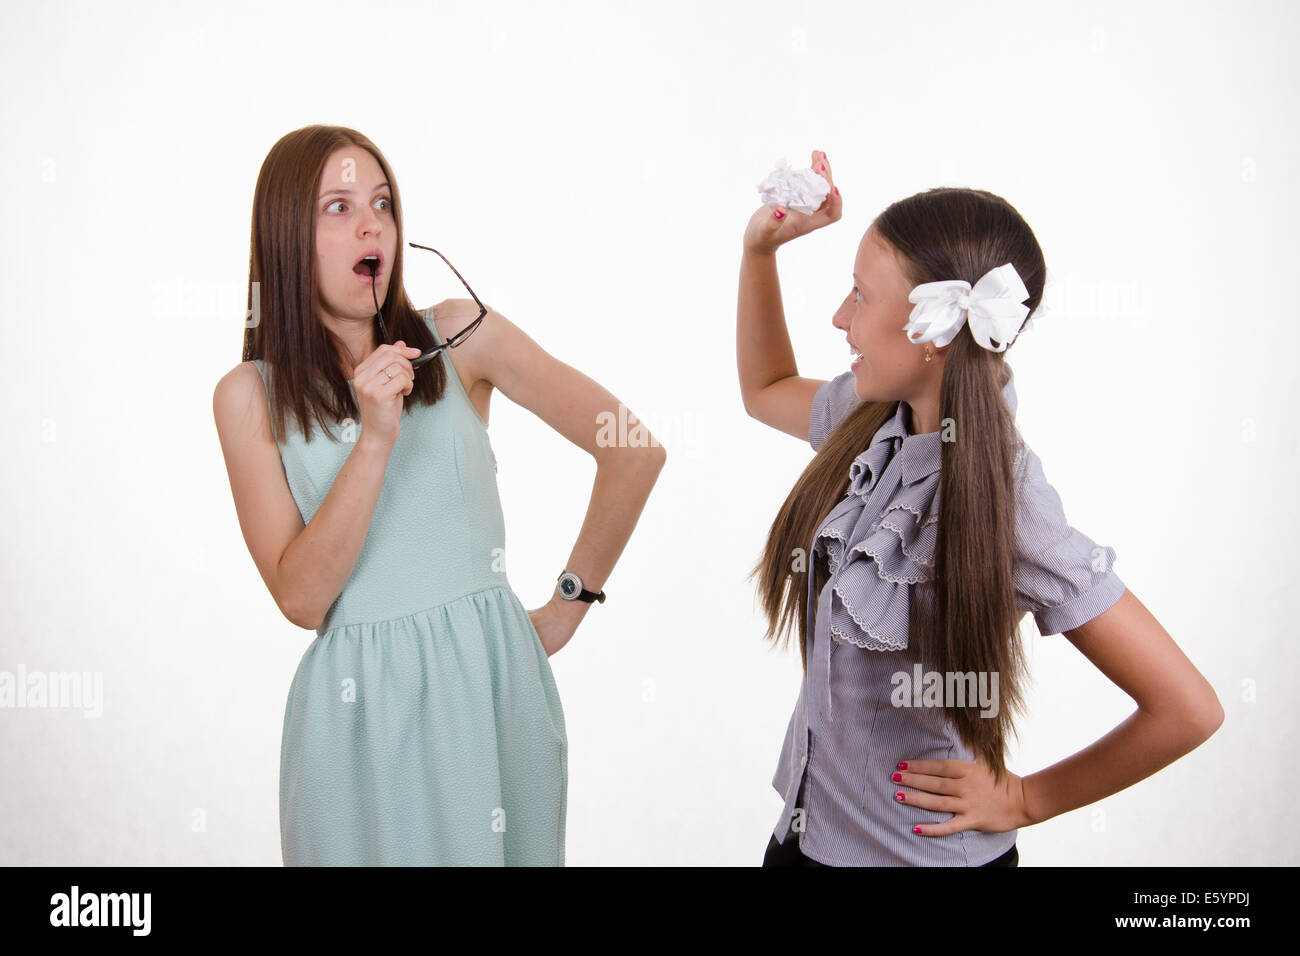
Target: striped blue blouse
{"points": [[861, 709]]}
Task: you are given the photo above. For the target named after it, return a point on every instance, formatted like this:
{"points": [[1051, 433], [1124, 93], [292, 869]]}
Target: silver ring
{"points": [[388, 373]]}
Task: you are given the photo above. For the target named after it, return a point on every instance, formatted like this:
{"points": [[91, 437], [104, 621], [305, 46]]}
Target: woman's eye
{"points": [[857, 295], [383, 199]]}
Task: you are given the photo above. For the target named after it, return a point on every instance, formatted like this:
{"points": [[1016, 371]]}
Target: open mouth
{"points": [[364, 265]]}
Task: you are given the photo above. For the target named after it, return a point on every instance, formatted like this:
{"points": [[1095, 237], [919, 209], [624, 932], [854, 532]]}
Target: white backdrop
{"points": [[589, 167]]}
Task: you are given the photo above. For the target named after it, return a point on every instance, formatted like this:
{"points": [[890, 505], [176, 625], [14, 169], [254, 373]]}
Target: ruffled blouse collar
{"points": [[881, 538]]}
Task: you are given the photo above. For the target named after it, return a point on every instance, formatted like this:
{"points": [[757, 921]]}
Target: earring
{"points": [[928, 355]]}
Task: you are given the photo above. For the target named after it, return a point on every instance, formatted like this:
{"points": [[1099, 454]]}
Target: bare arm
{"points": [[770, 385], [1177, 712], [575, 406], [771, 388], [618, 496], [304, 568]]}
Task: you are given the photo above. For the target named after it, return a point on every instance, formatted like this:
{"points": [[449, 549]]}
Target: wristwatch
{"points": [[570, 587]]}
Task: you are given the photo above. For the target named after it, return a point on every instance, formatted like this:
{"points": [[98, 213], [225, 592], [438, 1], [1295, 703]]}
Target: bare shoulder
{"points": [[245, 374], [239, 401], [453, 309], [472, 358]]}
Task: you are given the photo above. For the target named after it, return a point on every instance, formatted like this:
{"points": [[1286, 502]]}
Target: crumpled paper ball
{"points": [[799, 189]]}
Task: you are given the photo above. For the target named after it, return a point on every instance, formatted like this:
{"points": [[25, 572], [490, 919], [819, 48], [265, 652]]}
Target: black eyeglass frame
{"points": [[456, 339]]}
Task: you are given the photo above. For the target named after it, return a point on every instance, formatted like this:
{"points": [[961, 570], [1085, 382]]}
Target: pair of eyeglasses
{"points": [[452, 342]]}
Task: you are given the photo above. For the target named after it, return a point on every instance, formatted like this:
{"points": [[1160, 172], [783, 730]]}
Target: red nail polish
{"points": [[779, 214], [900, 796], [902, 765], [898, 778], [916, 829], [837, 190]]}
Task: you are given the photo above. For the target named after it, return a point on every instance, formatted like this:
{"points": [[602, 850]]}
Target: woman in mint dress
{"points": [[423, 724]]}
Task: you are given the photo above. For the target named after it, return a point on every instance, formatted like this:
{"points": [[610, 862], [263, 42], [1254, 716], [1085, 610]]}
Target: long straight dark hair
{"points": [[300, 354], [964, 618]]}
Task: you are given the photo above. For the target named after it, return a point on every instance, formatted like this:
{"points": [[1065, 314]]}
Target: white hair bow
{"points": [[994, 308]]}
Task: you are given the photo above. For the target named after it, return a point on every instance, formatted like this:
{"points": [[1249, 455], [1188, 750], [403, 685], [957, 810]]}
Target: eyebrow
{"points": [[348, 192], [858, 282]]}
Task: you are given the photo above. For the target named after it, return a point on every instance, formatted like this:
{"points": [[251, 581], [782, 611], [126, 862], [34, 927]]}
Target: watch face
{"points": [[568, 586]]}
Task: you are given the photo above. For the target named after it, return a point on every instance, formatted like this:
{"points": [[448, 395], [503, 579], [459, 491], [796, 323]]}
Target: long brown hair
{"points": [[964, 618], [300, 354]]}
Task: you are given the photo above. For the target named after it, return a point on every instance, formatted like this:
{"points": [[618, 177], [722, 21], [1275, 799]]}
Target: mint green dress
{"points": [[423, 725]]}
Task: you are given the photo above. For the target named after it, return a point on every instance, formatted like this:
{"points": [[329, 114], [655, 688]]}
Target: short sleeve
{"points": [[832, 402], [1062, 576]]}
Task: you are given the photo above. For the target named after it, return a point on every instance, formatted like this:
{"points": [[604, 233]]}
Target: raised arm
{"points": [[771, 388]]}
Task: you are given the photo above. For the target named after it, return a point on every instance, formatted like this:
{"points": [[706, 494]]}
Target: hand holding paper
{"points": [[800, 189], [812, 190]]}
